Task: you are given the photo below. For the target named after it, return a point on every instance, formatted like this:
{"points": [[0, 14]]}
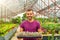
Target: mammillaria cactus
{"points": [[31, 34]]}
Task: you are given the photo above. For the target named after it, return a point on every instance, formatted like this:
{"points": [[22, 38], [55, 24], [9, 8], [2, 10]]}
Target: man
{"points": [[30, 24]]}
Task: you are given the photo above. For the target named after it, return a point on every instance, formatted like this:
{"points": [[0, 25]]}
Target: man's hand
{"points": [[39, 30], [21, 29]]}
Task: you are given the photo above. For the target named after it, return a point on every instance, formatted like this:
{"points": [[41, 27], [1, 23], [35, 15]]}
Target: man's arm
{"points": [[21, 30], [21, 27], [39, 28]]}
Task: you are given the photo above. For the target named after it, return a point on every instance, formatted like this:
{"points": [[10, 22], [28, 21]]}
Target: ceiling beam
{"points": [[52, 5]]}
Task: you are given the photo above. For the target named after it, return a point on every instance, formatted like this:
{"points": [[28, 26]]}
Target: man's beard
{"points": [[29, 18]]}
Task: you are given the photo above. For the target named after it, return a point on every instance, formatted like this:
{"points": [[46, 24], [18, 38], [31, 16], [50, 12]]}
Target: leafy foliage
{"points": [[16, 20], [24, 17], [5, 28], [48, 20], [1, 21]]}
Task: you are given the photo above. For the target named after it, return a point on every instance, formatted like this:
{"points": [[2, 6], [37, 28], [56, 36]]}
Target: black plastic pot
{"points": [[46, 37]]}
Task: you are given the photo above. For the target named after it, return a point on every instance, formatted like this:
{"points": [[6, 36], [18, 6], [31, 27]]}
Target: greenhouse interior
{"points": [[13, 13]]}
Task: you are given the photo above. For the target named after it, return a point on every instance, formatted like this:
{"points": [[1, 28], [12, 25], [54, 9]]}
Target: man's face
{"points": [[29, 14]]}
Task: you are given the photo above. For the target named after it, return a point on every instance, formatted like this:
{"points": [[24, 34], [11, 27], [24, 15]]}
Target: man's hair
{"points": [[29, 10]]}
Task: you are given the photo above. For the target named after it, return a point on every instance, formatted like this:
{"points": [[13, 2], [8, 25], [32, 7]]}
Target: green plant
{"points": [[57, 28], [1, 21], [49, 38], [6, 28], [53, 32], [24, 17], [16, 20]]}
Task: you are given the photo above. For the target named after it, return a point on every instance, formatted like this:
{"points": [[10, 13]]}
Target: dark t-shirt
{"points": [[30, 27]]}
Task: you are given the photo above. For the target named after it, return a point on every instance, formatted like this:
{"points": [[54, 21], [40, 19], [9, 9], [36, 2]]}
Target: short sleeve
{"points": [[22, 25], [38, 25]]}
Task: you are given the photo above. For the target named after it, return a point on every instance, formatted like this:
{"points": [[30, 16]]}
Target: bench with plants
{"points": [[5, 29], [51, 29], [51, 26]]}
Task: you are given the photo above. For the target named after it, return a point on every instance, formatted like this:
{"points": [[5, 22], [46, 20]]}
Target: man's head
{"points": [[29, 14]]}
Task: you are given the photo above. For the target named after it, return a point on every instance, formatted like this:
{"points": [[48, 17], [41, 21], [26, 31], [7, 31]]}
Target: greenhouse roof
{"points": [[10, 8]]}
